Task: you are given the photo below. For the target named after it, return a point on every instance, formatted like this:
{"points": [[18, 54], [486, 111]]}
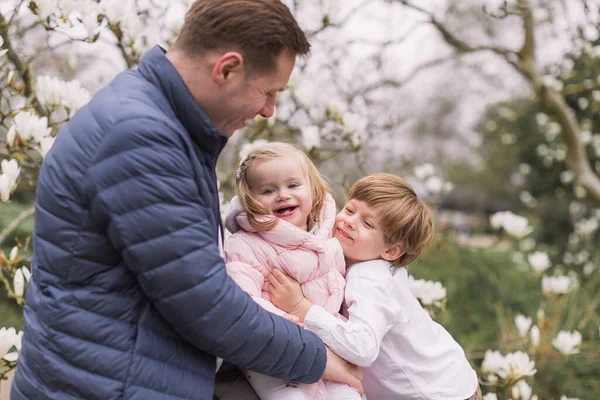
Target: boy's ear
{"points": [[393, 252]]}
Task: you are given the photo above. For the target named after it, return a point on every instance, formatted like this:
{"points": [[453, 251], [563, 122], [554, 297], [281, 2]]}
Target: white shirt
{"points": [[403, 352]]}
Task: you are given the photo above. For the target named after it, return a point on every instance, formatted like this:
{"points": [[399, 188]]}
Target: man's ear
{"points": [[228, 67], [393, 252]]}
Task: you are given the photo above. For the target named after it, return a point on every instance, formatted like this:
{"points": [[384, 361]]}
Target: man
{"points": [[129, 297]]}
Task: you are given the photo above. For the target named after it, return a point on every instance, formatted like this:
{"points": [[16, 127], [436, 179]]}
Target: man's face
{"points": [[359, 231], [254, 95]]}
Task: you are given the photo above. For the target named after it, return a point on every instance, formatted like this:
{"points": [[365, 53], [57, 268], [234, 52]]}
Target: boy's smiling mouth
{"points": [[343, 234]]}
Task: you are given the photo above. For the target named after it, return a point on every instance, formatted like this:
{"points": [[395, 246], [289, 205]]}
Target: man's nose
{"points": [[269, 109]]}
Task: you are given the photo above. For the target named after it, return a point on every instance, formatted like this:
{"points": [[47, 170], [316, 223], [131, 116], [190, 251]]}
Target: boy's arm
{"points": [[372, 311]]}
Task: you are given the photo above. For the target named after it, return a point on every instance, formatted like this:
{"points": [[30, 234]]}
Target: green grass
{"points": [[10, 313]]}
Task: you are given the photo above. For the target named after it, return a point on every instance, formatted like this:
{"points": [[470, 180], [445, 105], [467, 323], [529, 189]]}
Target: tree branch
{"points": [[6, 232], [23, 69]]}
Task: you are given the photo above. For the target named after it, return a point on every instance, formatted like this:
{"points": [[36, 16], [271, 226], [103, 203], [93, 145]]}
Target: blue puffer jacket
{"points": [[129, 297]]}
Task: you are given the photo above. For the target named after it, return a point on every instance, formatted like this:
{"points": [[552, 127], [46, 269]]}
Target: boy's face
{"points": [[359, 231]]}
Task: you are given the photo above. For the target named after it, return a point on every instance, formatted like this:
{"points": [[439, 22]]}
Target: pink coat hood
{"points": [[314, 259]]}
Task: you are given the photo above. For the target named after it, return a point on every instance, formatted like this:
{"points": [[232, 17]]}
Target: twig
{"points": [[15, 224]]}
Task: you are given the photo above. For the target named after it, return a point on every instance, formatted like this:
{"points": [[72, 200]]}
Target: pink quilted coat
{"points": [[314, 259]]}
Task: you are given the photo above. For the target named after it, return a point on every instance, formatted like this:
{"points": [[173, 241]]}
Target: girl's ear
{"points": [[393, 252]]}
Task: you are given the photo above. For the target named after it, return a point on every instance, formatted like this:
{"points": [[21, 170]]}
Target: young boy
{"points": [[404, 354]]}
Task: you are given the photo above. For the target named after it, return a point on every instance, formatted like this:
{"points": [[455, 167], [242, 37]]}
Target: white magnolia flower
{"points": [[7, 340], [513, 224], [19, 283], [74, 96], [586, 227], [2, 52], [45, 145], [493, 362], [354, 122], [517, 366], [311, 137], [535, 336], [26, 273], [556, 285], [563, 397], [13, 253], [247, 147], [567, 176], [89, 11], [46, 8], [490, 396], [583, 103], [11, 170], [524, 389], [523, 324], [428, 292], [552, 83], [434, 184], [567, 342], [424, 171], [30, 127], [5, 188], [49, 90], [114, 10], [17, 340], [539, 261], [542, 119]]}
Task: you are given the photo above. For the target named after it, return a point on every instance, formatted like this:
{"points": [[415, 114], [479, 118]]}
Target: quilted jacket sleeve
{"points": [[244, 268], [143, 192]]}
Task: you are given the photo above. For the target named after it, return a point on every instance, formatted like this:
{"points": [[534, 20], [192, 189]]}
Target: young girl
{"points": [[282, 219]]}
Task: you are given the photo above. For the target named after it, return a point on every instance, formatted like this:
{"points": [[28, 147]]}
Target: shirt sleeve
{"points": [[143, 193], [372, 311]]}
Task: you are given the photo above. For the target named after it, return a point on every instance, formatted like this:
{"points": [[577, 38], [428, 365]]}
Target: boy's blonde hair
{"points": [[271, 151], [406, 220]]}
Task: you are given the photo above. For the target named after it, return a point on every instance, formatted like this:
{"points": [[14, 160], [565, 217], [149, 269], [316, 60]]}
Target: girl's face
{"points": [[282, 188]]}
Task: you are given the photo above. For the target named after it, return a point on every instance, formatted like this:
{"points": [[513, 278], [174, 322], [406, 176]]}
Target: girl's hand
{"points": [[286, 294]]}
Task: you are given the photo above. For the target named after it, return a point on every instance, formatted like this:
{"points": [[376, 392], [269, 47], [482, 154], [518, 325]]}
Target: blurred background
{"points": [[490, 109]]}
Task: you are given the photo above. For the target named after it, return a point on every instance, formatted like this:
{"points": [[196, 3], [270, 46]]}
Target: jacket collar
{"points": [[157, 69]]}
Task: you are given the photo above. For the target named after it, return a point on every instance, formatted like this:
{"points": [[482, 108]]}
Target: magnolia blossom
{"points": [[513, 224], [49, 90], [45, 145], [12, 170], [5, 188], [556, 285], [552, 83], [45, 8], [113, 10], [311, 137], [8, 339], [19, 283], [434, 184], [567, 342], [26, 273], [89, 16], [28, 127], [539, 261], [490, 396], [2, 52], [17, 341], [586, 227], [517, 365], [424, 171], [535, 336], [493, 362], [428, 292], [74, 96], [247, 147], [522, 390], [523, 324]]}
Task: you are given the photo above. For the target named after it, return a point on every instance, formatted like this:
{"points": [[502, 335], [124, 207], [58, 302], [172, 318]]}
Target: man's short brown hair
{"points": [[407, 221], [258, 29]]}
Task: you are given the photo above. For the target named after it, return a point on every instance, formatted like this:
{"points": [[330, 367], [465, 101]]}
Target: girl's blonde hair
{"points": [[271, 151]]}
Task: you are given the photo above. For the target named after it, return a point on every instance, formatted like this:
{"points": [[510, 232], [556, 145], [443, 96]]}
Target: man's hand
{"points": [[340, 370], [284, 291]]}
